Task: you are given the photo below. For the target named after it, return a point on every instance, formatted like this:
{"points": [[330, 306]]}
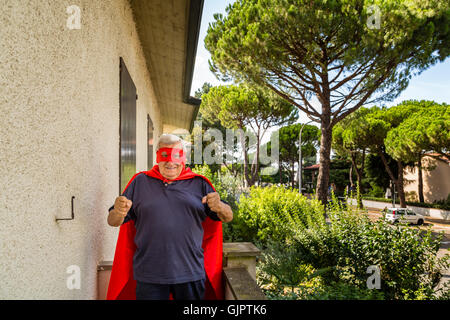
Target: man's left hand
{"points": [[213, 201], [222, 209]]}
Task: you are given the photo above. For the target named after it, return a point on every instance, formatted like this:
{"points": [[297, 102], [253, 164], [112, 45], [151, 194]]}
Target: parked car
{"points": [[403, 215]]}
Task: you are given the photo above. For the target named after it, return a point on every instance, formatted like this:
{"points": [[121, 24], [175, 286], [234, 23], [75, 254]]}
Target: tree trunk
{"points": [[358, 192], [397, 181], [323, 178], [359, 180], [350, 175], [280, 173], [255, 164], [401, 191], [420, 178], [361, 173], [293, 174], [247, 174]]}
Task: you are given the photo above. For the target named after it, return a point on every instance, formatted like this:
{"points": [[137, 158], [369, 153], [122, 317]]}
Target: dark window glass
{"points": [[127, 126], [149, 142]]}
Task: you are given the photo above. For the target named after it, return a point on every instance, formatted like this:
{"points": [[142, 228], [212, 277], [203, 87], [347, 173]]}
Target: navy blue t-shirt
{"points": [[169, 233]]}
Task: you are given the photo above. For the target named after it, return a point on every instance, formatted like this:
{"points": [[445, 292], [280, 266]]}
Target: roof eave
{"points": [[195, 17]]}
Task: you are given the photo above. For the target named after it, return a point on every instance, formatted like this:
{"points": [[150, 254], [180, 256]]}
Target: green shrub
{"points": [[306, 257], [442, 204], [281, 265], [276, 213], [376, 191], [343, 291], [406, 257], [282, 275], [297, 239]]}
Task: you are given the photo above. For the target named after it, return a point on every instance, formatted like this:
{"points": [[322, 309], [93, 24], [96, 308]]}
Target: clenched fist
{"points": [[122, 205], [213, 201], [222, 209]]}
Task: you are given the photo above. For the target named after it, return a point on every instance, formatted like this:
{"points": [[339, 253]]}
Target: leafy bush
{"points": [[444, 203], [343, 291], [282, 266], [376, 191], [406, 257], [306, 257], [299, 245], [283, 276], [275, 213]]}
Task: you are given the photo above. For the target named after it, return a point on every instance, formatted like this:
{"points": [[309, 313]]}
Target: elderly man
{"points": [[168, 206]]}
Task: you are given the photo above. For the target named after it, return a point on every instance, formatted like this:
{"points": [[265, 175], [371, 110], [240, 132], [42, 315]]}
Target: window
{"points": [[127, 127]]}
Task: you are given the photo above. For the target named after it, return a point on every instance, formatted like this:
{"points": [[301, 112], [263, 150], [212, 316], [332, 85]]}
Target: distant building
{"points": [[436, 179], [435, 173], [311, 172]]}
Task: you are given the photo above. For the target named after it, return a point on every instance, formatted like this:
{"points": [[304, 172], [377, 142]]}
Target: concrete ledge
{"points": [[241, 254], [240, 249], [104, 265], [239, 285]]}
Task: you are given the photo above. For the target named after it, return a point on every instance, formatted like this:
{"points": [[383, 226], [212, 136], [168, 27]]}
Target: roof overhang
{"points": [[169, 31]]}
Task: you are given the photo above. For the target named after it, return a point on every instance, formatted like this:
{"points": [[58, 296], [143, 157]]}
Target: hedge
{"points": [[442, 206]]}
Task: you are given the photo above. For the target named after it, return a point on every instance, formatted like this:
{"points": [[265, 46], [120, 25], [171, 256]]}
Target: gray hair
{"points": [[167, 138]]}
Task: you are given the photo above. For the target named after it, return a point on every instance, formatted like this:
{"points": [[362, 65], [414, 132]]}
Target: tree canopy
{"points": [[404, 132], [427, 130], [250, 108], [329, 50], [289, 145], [423, 131], [352, 138]]}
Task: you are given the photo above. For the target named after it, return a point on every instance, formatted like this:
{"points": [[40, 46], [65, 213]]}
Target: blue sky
{"points": [[431, 84]]}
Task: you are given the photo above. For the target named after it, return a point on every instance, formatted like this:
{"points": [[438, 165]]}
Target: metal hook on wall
{"points": [[73, 213]]}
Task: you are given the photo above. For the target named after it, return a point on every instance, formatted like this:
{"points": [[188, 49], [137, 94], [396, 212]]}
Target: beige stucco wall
{"points": [[436, 180], [59, 137]]}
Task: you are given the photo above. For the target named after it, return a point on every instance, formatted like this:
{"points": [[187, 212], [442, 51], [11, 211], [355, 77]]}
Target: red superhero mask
{"points": [[170, 154]]}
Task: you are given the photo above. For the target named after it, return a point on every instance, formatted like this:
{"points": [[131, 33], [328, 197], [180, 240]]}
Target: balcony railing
{"points": [[239, 268]]}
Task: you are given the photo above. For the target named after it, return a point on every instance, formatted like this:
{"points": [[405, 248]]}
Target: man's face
{"points": [[168, 169]]}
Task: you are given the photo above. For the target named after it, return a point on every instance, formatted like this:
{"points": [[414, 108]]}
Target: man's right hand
{"points": [[122, 205], [117, 215]]}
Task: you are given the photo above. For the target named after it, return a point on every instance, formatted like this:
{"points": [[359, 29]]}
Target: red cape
{"points": [[122, 285]]}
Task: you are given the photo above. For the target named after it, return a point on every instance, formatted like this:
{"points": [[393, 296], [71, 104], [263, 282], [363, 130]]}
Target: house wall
{"points": [[436, 181], [59, 137]]}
